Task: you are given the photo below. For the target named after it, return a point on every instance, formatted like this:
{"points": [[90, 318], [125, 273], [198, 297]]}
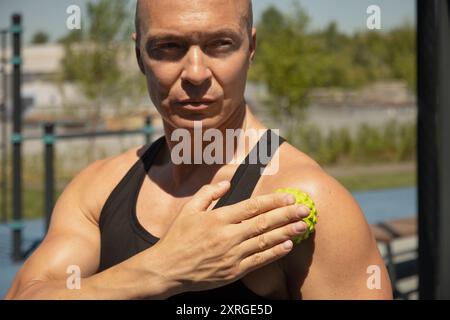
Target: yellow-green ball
{"points": [[311, 219]]}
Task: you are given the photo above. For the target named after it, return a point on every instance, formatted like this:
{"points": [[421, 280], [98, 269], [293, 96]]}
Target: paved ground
{"points": [[371, 169], [34, 229]]}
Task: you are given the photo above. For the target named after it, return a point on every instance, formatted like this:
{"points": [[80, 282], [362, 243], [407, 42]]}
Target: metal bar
{"points": [[98, 134], [93, 134], [49, 178], [433, 147], [17, 143], [443, 271], [4, 145], [427, 175], [148, 129]]}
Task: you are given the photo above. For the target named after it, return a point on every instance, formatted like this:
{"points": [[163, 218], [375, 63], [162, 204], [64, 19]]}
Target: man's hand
{"points": [[207, 249]]}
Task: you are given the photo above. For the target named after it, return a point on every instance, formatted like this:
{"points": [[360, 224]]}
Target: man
{"points": [[157, 230]]}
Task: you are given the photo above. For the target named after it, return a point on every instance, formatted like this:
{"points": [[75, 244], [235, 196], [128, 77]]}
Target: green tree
{"points": [[401, 44], [291, 60], [40, 37], [71, 37], [288, 64], [336, 59], [94, 55]]}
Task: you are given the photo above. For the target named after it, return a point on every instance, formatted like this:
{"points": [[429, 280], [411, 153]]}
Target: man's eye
{"points": [[221, 44], [167, 50], [168, 46]]}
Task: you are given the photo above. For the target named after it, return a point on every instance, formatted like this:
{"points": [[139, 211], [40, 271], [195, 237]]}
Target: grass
{"points": [[367, 182], [392, 142], [32, 202]]}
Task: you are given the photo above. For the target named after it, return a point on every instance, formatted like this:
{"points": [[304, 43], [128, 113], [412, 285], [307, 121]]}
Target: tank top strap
{"points": [[247, 175]]}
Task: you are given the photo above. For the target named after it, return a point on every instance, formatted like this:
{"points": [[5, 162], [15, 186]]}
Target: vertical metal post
{"points": [[148, 129], [443, 266], [16, 225], [426, 146], [49, 139], [433, 39], [4, 146]]}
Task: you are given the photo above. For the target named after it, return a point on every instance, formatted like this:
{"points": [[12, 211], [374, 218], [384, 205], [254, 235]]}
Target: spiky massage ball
{"points": [[311, 220]]}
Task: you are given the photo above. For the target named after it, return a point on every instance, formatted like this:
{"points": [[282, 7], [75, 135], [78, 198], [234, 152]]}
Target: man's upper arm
{"points": [[333, 264], [73, 237]]}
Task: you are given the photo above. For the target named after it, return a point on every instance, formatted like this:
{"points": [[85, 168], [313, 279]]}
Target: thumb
{"points": [[207, 194]]}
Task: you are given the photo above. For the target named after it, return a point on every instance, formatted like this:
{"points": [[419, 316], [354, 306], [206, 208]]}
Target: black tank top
{"points": [[122, 236]]}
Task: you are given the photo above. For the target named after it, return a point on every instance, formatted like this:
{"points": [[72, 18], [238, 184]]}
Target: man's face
{"points": [[195, 55]]}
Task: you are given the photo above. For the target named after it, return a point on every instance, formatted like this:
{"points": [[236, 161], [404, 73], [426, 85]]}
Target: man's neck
{"points": [[241, 119]]}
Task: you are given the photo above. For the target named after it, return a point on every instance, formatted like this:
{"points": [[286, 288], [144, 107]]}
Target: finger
{"points": [[252, 207], [207, 194], [271, 239], [270, 220], [261, 259]]}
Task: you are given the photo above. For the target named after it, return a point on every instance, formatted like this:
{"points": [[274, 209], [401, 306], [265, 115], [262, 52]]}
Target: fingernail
{"points": [[287, 245], [290, 199], [300, 226], [302, 211]]}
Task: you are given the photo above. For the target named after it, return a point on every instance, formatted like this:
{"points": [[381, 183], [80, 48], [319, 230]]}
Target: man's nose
{"points": [[196, 70]]}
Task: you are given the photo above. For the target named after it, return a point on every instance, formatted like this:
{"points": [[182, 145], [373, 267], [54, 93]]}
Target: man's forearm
{"points": [[139, 277]]}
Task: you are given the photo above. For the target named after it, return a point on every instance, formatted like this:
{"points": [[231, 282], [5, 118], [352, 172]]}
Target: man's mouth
{"points": [[195, 104]]}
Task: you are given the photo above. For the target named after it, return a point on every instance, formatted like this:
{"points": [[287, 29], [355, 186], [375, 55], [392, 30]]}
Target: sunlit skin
{"points": [[187, 52], [198, 50]]}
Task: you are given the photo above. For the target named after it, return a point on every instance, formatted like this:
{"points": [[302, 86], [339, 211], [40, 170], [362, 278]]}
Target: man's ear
{"points": [[253, 45], [138, 52]]}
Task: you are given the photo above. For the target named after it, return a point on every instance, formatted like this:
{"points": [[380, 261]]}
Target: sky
{"points": [[50, 15]]}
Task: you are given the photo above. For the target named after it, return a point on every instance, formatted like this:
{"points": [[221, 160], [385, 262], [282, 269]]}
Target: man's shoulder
{"points": [[335, 204], [294, 168], [342, 244], [94, 183], [300, 170]]}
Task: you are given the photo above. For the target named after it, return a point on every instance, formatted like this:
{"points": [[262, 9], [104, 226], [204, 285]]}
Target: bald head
{"points": [[142, 15]]}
